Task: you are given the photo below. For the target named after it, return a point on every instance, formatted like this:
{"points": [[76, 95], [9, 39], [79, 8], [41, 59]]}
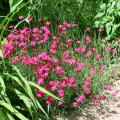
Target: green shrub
{"points": [[108, 17]]}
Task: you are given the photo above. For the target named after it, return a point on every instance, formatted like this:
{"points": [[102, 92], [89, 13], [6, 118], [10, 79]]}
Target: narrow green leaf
{"points": [[14, 78], [2, 84], [43, 89], [41, 108], [9, 116], [13, 110], [14, 4], [2, 116], [29, 90], [24, 98], [1, 54], [5, 115], [3, 89]]}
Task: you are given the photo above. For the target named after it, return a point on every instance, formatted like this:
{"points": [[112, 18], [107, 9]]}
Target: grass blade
{"points": [[13, 110]]}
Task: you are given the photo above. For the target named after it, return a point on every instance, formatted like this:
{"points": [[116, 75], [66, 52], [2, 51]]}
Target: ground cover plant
{"points": [[71, 65], [53, 59]]}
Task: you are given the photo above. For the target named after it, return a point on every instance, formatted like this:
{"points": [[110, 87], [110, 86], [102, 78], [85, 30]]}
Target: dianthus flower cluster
{"points": [[57, 61]]}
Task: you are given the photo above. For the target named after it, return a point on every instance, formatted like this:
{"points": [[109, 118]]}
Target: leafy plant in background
{"points": [[108, 17], [77, 11]]}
